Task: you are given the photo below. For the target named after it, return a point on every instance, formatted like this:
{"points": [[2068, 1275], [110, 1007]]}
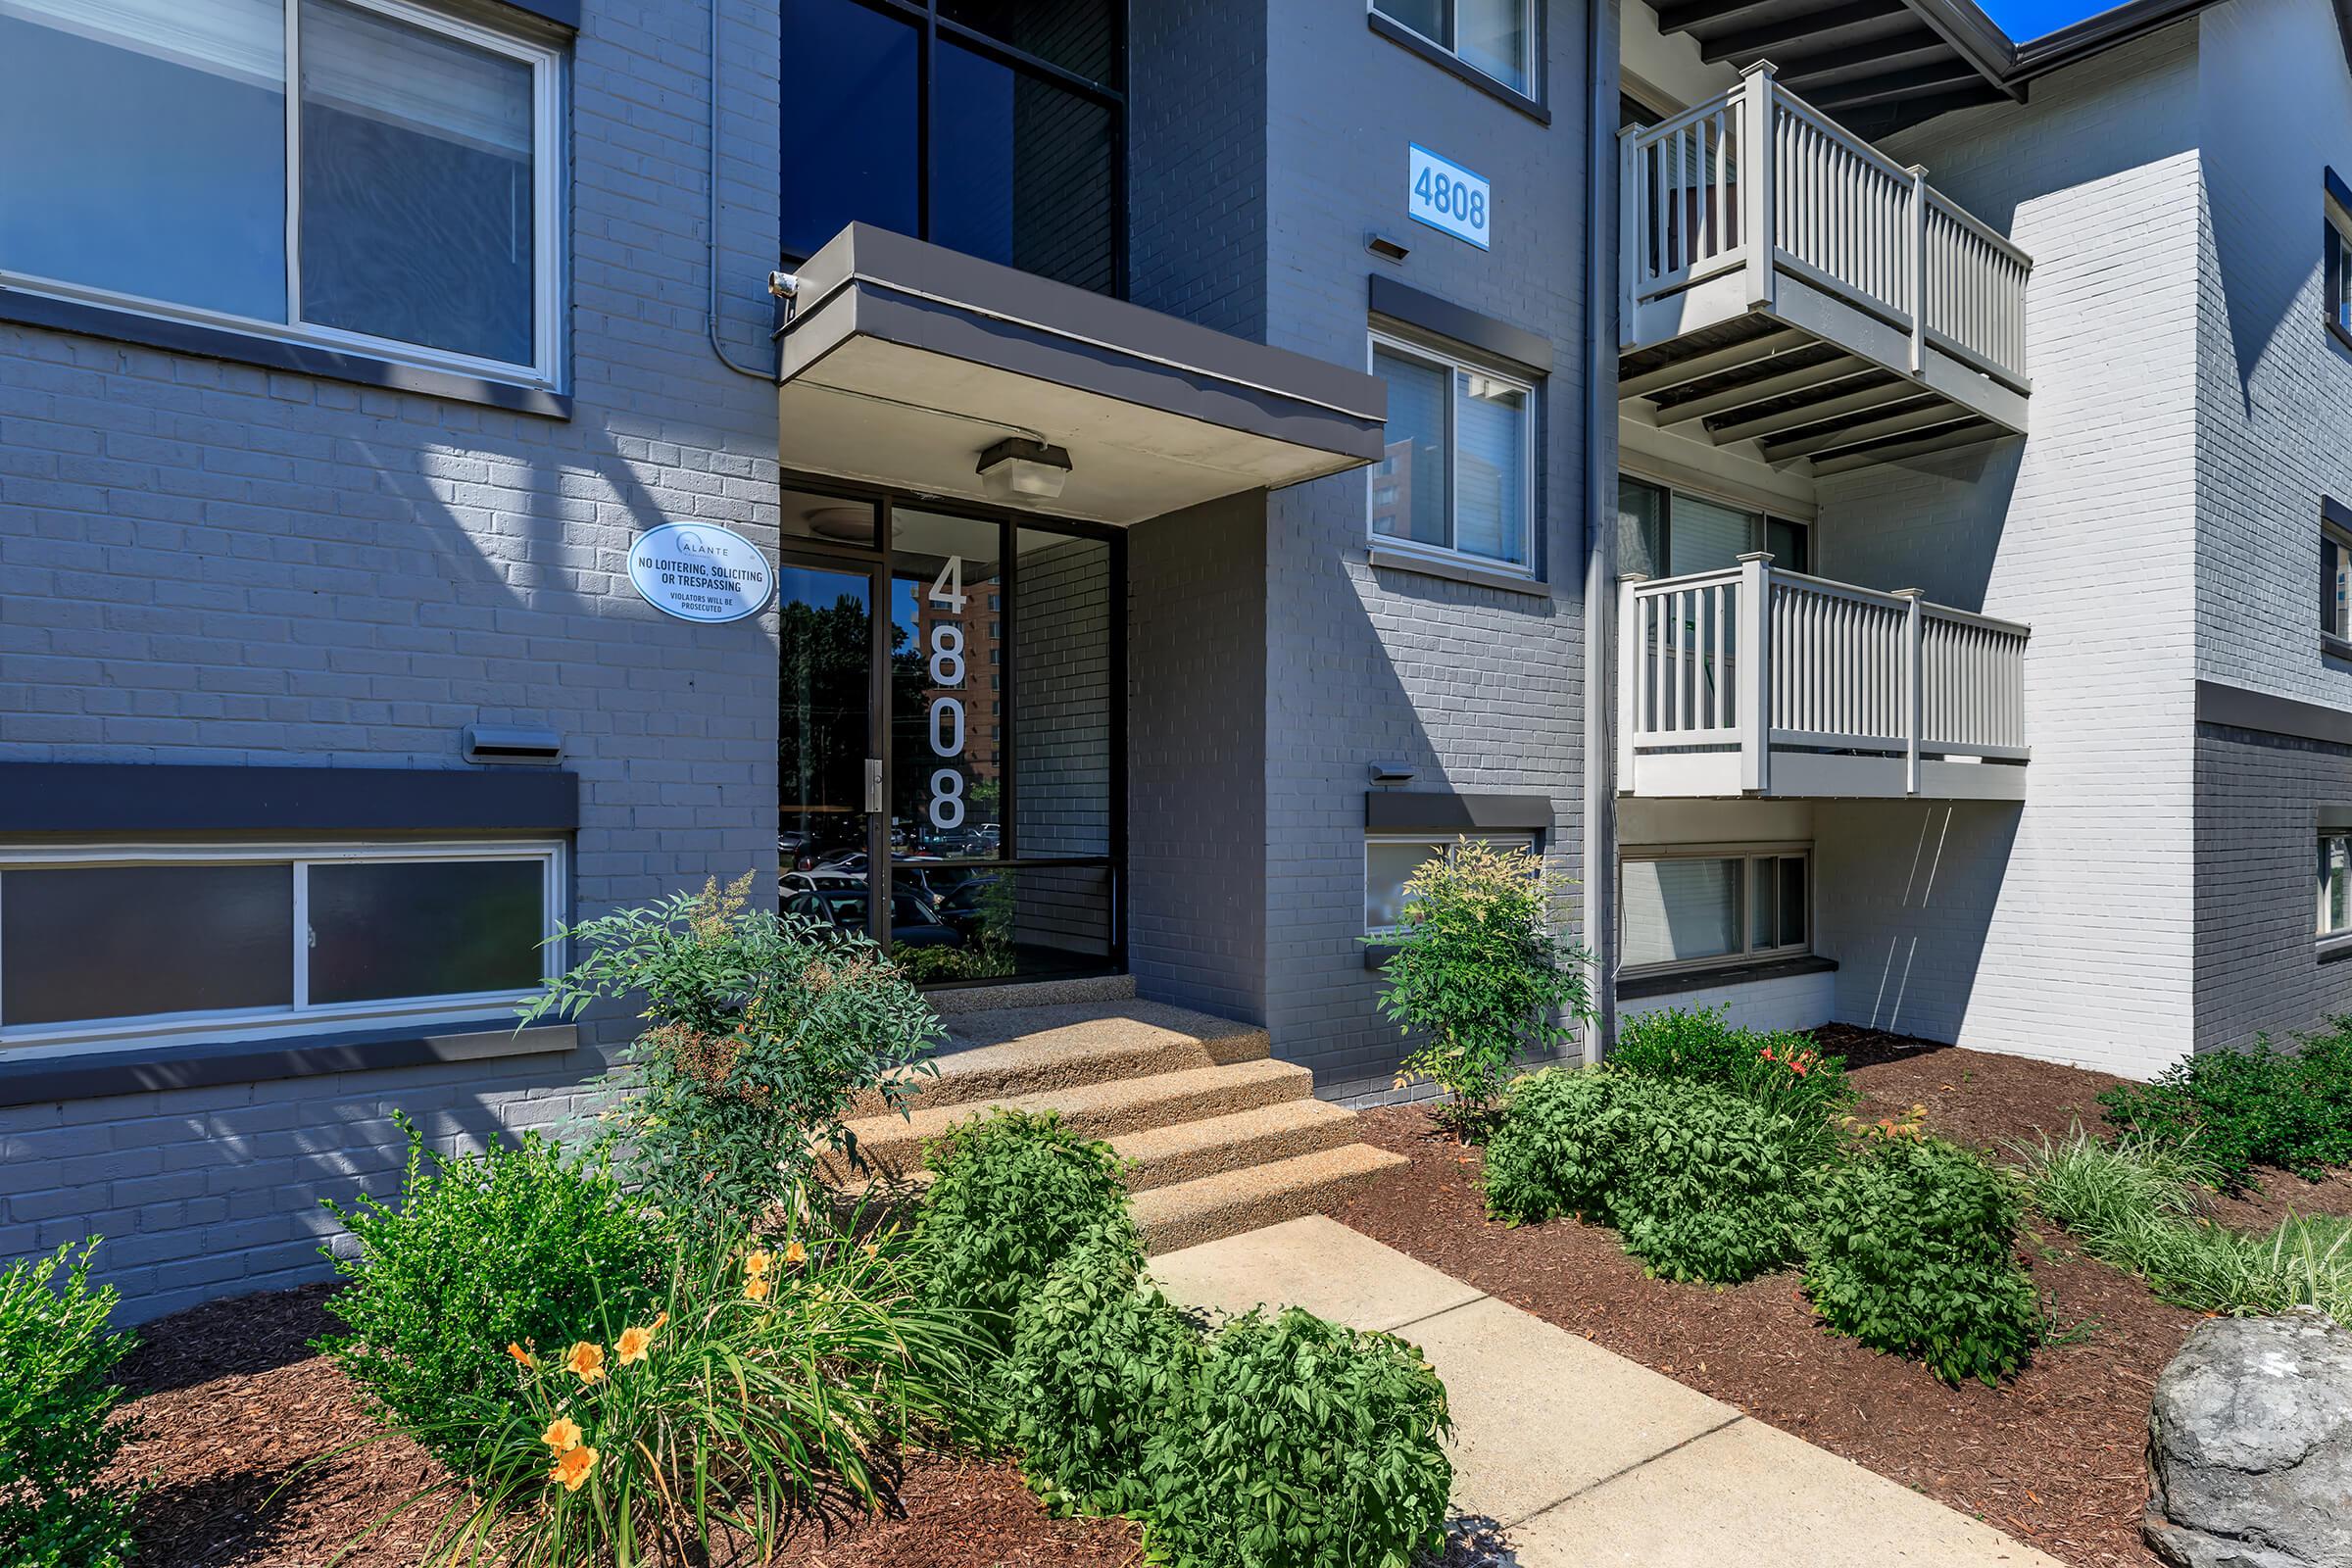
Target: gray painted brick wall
{"points": [[206, 562]]}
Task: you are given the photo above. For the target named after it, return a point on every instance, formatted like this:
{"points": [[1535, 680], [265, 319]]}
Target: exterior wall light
{"points": [[1018, 468]]}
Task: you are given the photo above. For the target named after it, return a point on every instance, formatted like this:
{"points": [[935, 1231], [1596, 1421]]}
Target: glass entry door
{"points": [[962, 787]]}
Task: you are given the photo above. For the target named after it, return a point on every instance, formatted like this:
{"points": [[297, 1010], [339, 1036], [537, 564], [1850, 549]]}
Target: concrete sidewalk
{"points": [[1580, 1456]]}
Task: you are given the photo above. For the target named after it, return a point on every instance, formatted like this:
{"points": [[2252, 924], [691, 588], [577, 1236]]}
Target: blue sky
{"points": [[2022, 20]]}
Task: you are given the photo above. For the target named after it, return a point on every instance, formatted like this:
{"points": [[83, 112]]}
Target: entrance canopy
{"points": [[904, 363]]}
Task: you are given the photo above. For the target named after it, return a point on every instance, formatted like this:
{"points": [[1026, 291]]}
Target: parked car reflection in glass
{"points": [[914, 921]]}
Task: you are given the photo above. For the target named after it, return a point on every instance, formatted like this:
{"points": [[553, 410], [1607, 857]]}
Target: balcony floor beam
{"points": [[1928, 415], [1699, 367], [1829, 372], [1965, 434], [1762, 426]]}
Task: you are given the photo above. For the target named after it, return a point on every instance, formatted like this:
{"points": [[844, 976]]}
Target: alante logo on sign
{"points": [[702, 572]]}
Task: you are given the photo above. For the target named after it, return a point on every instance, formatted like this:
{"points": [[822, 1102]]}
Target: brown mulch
{"points": [[230, 1401], [2054, 1457]]}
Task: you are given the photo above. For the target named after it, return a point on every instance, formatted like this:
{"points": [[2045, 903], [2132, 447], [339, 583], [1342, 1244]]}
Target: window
{"points": [[1028, 103], [1457, 477], [1691, 909], [1391, 859], [123, 942], [1496, 37], [2335, 574], [2335, 884], [1669, 534], [406, 206], [2337, 263]]}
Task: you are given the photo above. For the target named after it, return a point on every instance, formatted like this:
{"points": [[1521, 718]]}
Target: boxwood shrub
{"points": [[1701, 1183], [1911, 1251], [2259, 1107]]}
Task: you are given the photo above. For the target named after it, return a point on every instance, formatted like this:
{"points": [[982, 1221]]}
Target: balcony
{"points": [[1783, 282], [1832, 691]]}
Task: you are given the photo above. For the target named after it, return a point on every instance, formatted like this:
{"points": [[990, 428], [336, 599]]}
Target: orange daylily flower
{"points": [[871, 1250], [756, 1289], [794, 1252], [523, 1355], [659, 1321], [634, 1345], [759, 1263], [586, 1362], [572, 1468], [562, 1435]]}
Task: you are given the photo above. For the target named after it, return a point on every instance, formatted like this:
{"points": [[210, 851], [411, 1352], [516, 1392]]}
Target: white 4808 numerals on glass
{"points": [[947, 711]]}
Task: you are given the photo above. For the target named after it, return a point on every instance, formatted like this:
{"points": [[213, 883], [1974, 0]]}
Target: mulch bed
{"points": [[2054, 1457], [230, 1401]]}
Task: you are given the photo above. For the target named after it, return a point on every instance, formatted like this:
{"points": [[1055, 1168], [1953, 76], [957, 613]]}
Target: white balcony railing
{"points": [[1699, 189], [1826, 669]]}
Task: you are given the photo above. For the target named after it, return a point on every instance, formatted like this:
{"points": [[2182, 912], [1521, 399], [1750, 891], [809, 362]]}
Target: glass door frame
{"points": [[826, 554]]}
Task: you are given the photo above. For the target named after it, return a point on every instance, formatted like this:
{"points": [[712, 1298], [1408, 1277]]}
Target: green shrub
{"points": [[2134, 1204], [57, 1388], [1303, 1444], [1782, 1072], [2260, 1107], [764, 1376], [1479, 972], [767, 1028], [1700, 1183], [1099, 1361], [1011, 1194], [517, 1245], [1911, 1253]]}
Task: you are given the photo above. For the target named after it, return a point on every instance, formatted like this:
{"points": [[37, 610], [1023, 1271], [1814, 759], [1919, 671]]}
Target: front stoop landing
{"points": [[1219, 1137]]}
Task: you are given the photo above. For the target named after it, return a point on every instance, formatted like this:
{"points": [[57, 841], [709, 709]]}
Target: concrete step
{"points": [[893, 1145], [1161, 1157], [1208, 1208], [1008, 1052]]}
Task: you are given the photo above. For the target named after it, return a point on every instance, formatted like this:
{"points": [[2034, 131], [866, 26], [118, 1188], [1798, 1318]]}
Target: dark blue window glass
{"points": [[1022, 170], [849, 123]]}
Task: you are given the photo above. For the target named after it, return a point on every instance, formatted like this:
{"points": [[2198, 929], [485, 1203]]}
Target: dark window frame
{"points": [[1770, 516], [1533, 100], [2335, 534], [2335, 266], [931, 27]]}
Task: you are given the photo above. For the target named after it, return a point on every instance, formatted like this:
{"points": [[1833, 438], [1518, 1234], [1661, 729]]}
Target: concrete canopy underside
{"points": [[1809, 377], [903, 362]]}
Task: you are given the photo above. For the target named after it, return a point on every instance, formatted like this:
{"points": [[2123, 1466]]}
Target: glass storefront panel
{"points": [[824, 644], [947, 686], [960, 924]]}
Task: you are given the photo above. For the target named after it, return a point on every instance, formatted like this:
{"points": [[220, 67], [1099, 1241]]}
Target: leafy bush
{"points": [[1911, 1253], [2134, 1204], [1303, 1444], [57, 1365], [2261, 1106], [767, 1374], [516, 1246], [1701, 1184], [1099, 1363], [1011, 1194], [1478, 971], [1784, 1073], [767, 1028]]}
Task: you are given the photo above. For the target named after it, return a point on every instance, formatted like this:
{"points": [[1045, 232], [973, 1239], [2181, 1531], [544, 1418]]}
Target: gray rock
{"points": [[2250, 1446]]}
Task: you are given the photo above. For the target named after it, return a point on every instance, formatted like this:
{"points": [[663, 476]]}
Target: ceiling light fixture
{"points": [[1018, 468]]}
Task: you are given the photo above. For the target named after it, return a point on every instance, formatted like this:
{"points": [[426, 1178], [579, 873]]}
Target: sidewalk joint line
{"points": [[1736, 1417], [1440, 1312]]}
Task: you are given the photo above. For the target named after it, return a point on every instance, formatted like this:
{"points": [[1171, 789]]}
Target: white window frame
{"points": [[1438, 844], [1527, 31], [303, 1016], [2336, 640], [1454, 365], [2330, 938], [1748, 854], [550, 247]]}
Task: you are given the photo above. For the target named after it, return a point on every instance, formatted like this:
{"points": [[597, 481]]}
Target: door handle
{"points": [[873, 784]]}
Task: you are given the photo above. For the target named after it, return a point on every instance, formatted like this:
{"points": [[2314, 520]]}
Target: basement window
{"points": [[1698, 907], [178, 943], [1392, 860], [2336, 886]]}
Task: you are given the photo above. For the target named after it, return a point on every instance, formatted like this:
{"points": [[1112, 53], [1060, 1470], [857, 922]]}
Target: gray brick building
{"points": [[1081, 491]]}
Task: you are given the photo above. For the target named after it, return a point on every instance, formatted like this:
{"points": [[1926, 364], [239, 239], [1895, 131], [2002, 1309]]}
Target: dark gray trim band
{"points": [[564, 13], [116, 798], [2236, 707], [1405, 38], [28, 308], [95, 1076], [1446, 811], [1722, 974], [2333, 816], [1510, 582], [1458, 323]]}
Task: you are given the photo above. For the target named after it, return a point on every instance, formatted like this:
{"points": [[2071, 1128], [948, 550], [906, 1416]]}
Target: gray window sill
{"points": [[28, 308], [1459, 571], [1635, 988], [2334, 948], [2335, 647], [1412, 42], [98, 1072]]}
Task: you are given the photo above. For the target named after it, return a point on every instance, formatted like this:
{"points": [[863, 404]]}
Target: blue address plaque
{"points": [[1444, 195]]}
